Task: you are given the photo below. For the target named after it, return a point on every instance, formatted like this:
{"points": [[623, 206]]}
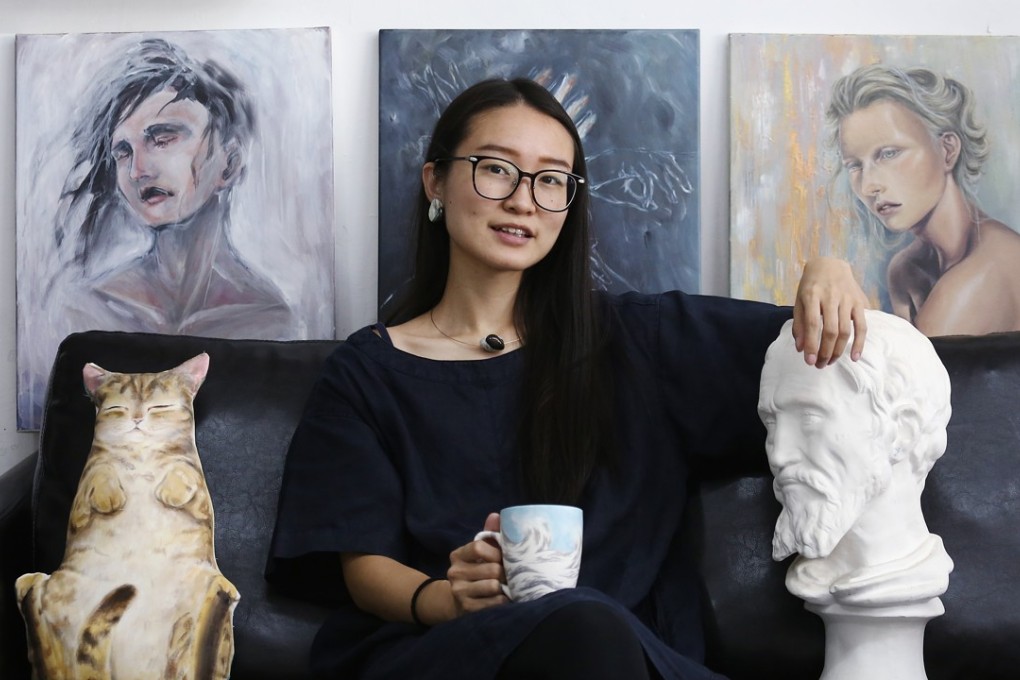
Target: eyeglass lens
{"points": [[496, 179]]}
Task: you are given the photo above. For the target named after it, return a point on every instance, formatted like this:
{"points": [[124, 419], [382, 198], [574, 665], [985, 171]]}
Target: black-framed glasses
{"points": [[497, 179]]}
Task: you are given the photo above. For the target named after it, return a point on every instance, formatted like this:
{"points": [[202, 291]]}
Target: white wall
{"points": [[355, 28]]}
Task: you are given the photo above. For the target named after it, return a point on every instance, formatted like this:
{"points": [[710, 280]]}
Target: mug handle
{"points": [[498, 537], [494, 535]]}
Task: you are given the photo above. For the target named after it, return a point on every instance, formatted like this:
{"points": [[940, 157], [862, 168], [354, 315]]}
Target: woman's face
{"points": [[512, 234], [168, 164], [896, 169]]}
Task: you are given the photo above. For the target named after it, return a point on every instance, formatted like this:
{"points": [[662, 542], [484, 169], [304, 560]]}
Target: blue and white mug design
{"points": [[541, 548]]}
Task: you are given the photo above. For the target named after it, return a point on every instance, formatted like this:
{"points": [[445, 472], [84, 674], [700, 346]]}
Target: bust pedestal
{"points": [[875, 643]]}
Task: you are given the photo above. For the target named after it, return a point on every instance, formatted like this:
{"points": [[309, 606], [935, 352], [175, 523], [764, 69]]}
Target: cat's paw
{"points": [[177, 488], [220, 584], [107, 495], [26, 582], [100, 492], [81, 513]]}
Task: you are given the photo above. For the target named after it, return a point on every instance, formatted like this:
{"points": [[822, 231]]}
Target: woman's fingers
{"points": [[828, 311], [475, 575]]}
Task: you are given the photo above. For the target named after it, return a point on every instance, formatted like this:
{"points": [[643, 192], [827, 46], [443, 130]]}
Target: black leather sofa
{"points": [[254, 395]]}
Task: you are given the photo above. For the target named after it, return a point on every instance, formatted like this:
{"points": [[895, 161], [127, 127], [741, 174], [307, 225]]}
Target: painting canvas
{"points": [[634, 96], [172, 182], [911, 179]]}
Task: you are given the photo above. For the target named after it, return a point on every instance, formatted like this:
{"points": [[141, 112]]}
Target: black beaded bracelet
{"points": [[417, 592]]}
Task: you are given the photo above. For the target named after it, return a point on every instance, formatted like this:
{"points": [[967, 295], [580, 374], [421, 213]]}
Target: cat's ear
{"points": [[193, 371], [94, 376]]}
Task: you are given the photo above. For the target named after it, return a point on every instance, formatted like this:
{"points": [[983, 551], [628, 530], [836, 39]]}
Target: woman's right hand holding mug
{"points": [[476, 572]]}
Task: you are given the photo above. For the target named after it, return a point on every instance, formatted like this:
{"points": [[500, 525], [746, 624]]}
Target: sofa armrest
{"points": [[15, 560], [16, 493]]}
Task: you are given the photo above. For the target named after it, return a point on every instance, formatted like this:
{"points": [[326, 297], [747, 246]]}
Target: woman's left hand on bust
{"points": [[829, 304]]}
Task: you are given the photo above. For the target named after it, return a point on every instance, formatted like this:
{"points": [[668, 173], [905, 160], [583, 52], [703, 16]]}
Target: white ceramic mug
{"points": [[541, 548]]}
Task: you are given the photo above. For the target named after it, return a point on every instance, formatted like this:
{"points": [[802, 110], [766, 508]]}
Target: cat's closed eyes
{"points": [[138, 594]]}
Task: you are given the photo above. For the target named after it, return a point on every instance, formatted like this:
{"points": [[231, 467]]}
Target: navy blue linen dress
{"points": [[405, 457]]}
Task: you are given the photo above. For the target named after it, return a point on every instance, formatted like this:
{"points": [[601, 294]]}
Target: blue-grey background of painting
{"points": [[634, 95]]}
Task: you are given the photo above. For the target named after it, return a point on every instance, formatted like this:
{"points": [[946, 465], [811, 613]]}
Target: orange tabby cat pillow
{"points": [[138, 593]]}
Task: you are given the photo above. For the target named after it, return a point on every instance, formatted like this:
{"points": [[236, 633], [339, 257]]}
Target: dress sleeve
{"points": [[712, 350], [340, 490]]}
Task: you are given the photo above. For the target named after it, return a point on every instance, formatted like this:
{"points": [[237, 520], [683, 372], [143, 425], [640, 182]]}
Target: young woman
{"points": [[913, 152], [416, 435]]}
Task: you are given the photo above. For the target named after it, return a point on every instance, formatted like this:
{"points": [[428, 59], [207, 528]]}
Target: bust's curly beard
{"points": [[813, 527], [817, 515]]}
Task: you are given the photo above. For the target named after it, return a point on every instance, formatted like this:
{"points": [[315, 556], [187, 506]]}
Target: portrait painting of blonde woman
{"points": [[893, 152]]}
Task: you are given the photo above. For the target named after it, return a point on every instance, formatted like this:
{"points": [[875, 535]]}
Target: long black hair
{"points": [[565, 430]]}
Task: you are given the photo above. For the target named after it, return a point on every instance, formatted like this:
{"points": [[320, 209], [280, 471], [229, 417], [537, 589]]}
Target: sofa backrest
{"points": [[254, 395], [971, 500], [246, 412]]}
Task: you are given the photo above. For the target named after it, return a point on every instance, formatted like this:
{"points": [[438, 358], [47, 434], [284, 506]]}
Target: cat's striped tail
{"points": [[94, 644]]}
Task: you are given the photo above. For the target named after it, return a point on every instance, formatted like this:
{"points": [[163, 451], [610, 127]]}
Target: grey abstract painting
{"points": [[634, 95], [172, 182]]}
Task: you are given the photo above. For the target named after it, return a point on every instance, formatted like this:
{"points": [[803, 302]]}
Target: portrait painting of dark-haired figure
{"points": [[894, 152], [175, 183], [634, 96]]}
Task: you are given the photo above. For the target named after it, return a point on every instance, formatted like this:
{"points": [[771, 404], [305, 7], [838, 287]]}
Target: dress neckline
{"points": [[375, 342]]}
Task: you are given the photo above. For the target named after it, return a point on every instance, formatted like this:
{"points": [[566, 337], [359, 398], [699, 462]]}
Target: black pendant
{"points": [[492, 343]]}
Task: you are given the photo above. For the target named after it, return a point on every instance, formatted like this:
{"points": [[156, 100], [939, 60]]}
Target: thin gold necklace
{"points": [[490, 343]]}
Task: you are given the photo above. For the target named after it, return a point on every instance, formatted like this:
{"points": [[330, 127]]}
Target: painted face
{"points": [[511, 234], [168, 162], [896, 169], [823, 450]]}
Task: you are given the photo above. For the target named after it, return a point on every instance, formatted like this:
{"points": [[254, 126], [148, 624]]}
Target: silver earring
{"points": [[435, 210]]}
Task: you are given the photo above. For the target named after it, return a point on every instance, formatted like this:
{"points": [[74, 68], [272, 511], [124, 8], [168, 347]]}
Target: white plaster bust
{"points": [[850, 446]]}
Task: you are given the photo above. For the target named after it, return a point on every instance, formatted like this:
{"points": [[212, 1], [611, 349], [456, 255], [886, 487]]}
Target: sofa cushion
{"points": [[245, 415]]}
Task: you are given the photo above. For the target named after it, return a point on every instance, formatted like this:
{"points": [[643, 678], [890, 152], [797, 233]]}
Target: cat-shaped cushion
{"points": [[138, 593]]}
